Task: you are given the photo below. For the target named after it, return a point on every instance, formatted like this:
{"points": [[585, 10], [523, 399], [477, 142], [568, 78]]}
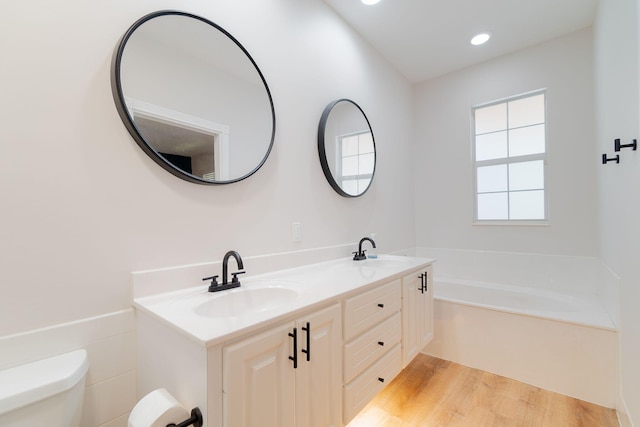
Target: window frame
{"points": [[340, 156], [510, 160]]}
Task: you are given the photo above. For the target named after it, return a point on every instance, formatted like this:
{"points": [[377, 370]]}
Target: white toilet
{"points": [[48, 392]]}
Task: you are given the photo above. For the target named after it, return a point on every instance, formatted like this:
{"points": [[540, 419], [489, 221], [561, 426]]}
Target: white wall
{"points": [[444, 190], [83, 206], [616, 71]]}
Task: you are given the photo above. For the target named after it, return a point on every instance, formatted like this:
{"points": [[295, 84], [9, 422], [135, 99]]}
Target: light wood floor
{"points": [[432, 392]]}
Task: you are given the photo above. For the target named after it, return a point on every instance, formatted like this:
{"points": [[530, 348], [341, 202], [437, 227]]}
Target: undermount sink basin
{"points": [[386, 262], [239, 301], [383, 262]]}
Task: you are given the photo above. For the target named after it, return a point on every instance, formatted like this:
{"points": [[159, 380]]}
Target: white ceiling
{"points": [[428, 38]]}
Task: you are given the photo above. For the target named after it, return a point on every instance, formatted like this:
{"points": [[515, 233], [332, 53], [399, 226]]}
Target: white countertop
{"points": [[312, 286]]}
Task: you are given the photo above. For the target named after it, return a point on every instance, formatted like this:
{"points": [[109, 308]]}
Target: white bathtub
{"points": [[583, 309], [557, 341]]}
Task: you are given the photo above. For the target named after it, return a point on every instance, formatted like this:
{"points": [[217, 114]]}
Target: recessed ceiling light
{"points": [[370, 2], [481, 38]]}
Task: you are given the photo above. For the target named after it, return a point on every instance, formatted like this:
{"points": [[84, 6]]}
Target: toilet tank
{"points": [[48, 392]]}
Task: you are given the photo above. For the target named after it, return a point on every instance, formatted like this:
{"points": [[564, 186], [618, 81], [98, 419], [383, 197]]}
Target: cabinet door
{"points": [[412, 300], [426, 315], [417, 313], [319, 379], [259, 380]]}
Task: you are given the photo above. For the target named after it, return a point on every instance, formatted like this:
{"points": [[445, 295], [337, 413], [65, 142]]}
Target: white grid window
{"points": [[356, 158], [509, 147]]}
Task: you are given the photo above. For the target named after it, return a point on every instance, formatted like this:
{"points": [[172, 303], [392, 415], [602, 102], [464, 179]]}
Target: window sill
{"points": [[528, 223]]}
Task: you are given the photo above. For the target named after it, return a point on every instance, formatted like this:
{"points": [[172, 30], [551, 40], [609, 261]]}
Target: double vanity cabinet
{"points": [[314, 362]]}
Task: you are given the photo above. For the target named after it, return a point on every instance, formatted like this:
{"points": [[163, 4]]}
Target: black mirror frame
{"points": [[118, 97], [323, 154]]}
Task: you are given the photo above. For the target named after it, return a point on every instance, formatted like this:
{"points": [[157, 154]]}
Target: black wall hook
{"points": [[606, 160], [618, 146], [195, 420]]}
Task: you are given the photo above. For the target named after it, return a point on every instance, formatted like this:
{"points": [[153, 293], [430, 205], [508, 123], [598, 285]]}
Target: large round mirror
{"points": [[193, 98], [347, 148]]}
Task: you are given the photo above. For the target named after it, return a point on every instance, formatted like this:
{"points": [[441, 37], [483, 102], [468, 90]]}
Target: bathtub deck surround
{"points": [[377, 313], [578, 308], [546, 320], [567, 358]]}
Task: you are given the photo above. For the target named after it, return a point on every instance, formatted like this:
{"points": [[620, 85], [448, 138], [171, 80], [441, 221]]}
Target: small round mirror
{"points": [[347, 148], [193, 98]]}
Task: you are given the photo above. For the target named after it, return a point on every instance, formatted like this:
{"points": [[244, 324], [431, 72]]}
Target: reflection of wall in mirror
{"points": [[203, 91]]}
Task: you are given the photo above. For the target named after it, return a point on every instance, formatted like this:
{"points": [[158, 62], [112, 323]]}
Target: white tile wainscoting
{"points": [[110, 343]]}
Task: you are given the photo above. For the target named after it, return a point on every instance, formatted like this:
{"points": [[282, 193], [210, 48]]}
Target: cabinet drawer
{"points": [[370, 346], [366, 310], [360, 391]]}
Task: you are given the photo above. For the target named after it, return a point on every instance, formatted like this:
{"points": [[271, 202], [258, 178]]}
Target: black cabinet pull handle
{"points": [[294, 358], [381, 343], [426, 281], [307, 351], [381, 305], [421, 283], [381, 380]]}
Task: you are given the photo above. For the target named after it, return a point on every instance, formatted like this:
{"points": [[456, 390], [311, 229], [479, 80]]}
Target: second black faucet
{"points": [[360, 255]]}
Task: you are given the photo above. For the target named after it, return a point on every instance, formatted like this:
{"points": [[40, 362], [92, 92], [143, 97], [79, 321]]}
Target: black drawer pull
{"points": [[381, 343], [294, 358], [381, 380], [381, 305], [307, 351]]}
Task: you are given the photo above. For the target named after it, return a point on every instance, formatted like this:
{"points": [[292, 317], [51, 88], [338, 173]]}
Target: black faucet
{"points": [[360, 255], [215, 286]]}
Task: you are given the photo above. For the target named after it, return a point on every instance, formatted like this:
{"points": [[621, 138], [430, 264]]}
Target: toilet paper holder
{"points": [[195, 420]]}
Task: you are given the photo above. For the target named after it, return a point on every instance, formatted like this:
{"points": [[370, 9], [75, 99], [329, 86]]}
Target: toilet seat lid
{"points": [[23, 385]]}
